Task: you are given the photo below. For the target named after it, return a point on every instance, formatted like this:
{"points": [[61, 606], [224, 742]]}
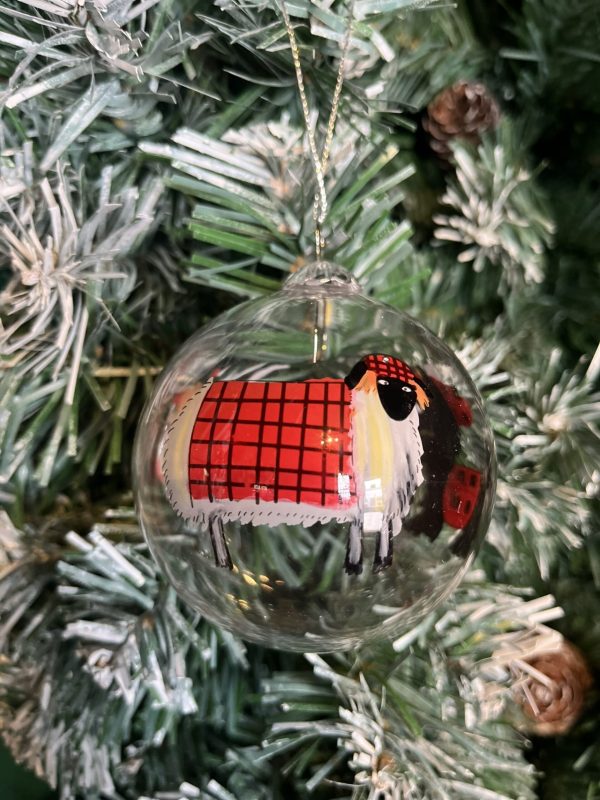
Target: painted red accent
{"points": [[460, 495], [389, 367], [460, 408], [273, 442]]}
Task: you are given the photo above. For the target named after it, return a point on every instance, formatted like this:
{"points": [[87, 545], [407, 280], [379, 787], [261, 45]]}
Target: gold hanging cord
{"points": [[319, 162]]}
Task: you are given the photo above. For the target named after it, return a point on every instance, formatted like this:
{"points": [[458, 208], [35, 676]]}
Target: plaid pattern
{"points": [[389, 367], [273, 442]]}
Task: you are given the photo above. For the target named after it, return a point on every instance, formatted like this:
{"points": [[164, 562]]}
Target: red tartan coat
{"points": [[274, 442]]}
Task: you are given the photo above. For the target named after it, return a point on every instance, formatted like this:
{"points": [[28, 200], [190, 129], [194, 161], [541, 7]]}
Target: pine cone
{"points": [[552, 708], [464, 110]]}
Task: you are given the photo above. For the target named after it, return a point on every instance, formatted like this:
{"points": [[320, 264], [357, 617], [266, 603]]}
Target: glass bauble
{"points": [[315, 469]]}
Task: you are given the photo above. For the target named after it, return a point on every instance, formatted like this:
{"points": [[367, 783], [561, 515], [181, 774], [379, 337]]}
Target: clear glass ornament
{"points": [[314, 470]]}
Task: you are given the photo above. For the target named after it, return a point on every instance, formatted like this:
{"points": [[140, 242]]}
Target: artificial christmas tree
{"points": [[155, 171]]}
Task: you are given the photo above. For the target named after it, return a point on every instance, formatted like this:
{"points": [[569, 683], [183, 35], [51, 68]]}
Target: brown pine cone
{"points": [[553, 705], [465, 111]]}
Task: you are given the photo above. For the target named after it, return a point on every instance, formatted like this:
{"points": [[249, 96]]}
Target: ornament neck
{"points": [[322, 275]]}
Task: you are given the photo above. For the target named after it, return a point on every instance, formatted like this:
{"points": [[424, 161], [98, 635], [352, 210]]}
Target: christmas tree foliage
{"points": [[154, 171]]}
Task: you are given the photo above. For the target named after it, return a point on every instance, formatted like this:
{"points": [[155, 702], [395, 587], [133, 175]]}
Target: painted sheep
{"points": [[300, 453]]}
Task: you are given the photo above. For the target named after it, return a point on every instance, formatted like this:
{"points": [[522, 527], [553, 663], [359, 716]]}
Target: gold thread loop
{"points": [[319, 162]]}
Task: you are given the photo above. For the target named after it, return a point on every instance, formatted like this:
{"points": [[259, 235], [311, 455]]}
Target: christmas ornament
{"points": [[464, 110], [314, 469], [553, 690]]}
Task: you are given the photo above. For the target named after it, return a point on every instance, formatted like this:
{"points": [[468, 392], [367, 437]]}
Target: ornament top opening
{"points": [[314, 470]]}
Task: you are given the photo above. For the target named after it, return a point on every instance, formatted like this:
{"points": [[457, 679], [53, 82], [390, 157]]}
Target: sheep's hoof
{"points": [[353, 569], [383, 549], [382, 563]]}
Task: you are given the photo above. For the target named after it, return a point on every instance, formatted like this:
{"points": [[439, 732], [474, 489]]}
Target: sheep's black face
{"points": [[397, 397]]}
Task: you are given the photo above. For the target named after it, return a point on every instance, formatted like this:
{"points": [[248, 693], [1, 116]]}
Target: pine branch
{"points": [[555, 56], [499, 216], [151, 685], [255, 207], [107, 61], [546, 423], [70, 245], [433, 51], [58, 262], [439, 740], [557, 435]]}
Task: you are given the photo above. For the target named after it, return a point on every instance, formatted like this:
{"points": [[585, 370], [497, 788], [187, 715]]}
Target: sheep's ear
{"points": [[355, 375], [421, 390]]}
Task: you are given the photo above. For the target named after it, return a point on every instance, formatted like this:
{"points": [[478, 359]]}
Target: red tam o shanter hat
{"points": [[389, 367]]}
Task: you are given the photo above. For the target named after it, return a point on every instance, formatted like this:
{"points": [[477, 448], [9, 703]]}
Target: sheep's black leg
{"points": [[383, 550], [217, 537], [354, 554]]}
